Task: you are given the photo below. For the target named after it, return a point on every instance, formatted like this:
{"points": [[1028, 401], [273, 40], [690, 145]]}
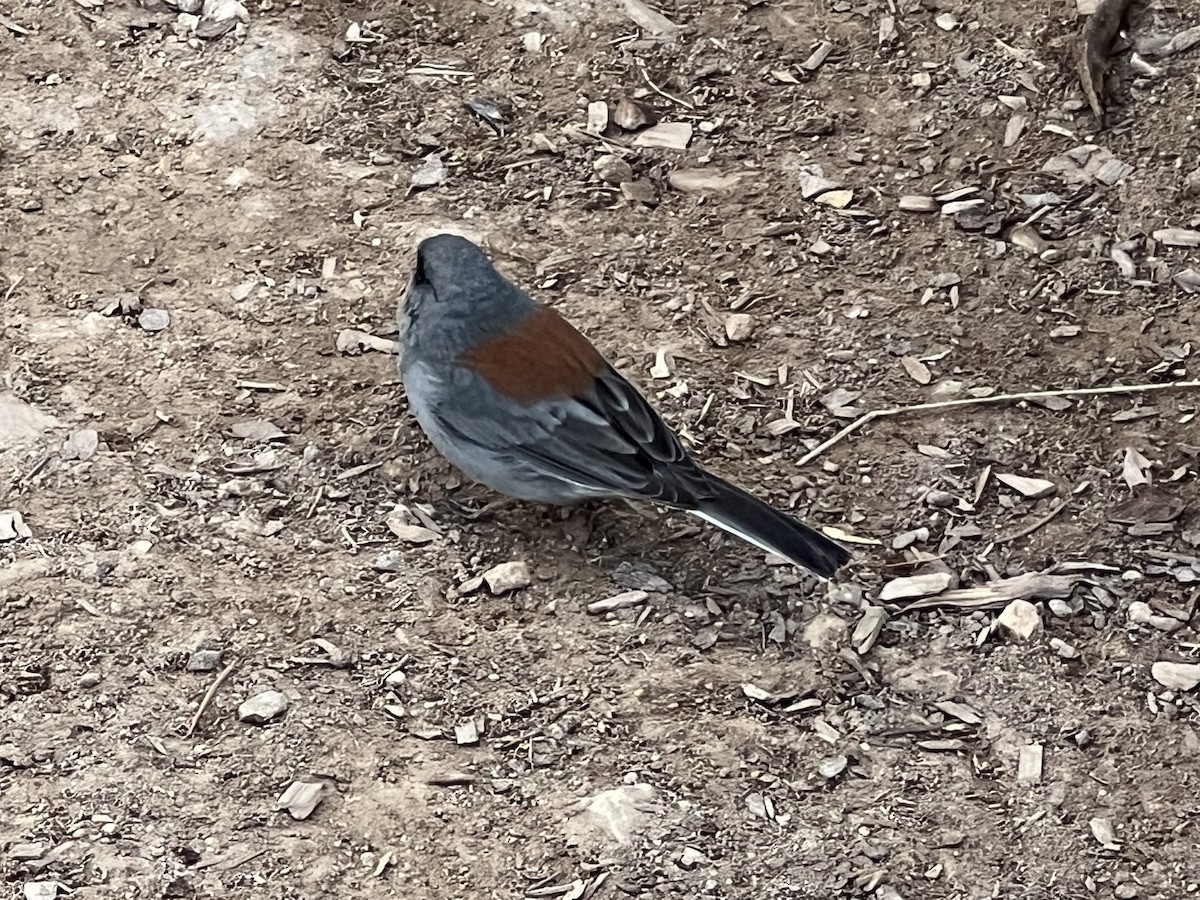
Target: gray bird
{"points": [[520, 401]]}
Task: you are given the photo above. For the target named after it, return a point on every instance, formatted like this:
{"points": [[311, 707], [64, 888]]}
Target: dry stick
{"points": [[995, 398], [12, 287], [654, 87], [207, 700], [1033, 526]]}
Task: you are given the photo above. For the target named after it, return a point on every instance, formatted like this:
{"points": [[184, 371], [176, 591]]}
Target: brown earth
{"points": [[618, 755]]}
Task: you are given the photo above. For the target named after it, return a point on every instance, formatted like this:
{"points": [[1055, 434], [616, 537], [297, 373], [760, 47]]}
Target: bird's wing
{"points": [[606, 438]]}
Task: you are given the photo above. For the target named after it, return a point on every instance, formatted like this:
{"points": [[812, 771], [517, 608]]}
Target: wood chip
{"points": [[1177, 237], [301, 798], [916, 586], [617, 601], [918, 203], [1029, 488], [702, 181], [817, 58], [1030, 586], [466, 733], [867, 631], [668, 135], [1029, 764]]}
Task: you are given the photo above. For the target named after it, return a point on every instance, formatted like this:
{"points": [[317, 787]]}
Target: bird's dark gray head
{"points": [[456, 298]]}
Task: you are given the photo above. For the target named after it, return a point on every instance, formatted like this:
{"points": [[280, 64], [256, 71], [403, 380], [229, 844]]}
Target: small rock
{"points": [[739, 327], [832, 766], [262, 708], [301, 798], [33, 204], [1176, 676], [412, 534], [466, 733], [82, 444], [1140, 613], [630, 115], [204, 661], [640, 190], [90, 679], [392, 561], [26, 851], [940, 499], [1020, 619], [1063, 649], [41, 890], [1061, 608], [509, 576], [152, 319], [613, 169], [691, 857], [629, 576]]}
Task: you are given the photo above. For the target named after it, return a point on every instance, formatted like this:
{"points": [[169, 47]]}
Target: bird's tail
{"points": [[753, 520]]}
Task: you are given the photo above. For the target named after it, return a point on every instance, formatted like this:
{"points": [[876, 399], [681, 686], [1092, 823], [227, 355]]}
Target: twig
{"points": [[995, 398], [654, 87], [207, 699], [1033, 526], [12, 287]]}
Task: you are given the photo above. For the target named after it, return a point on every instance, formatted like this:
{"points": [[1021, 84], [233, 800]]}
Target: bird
{"points": [[520, 401]]}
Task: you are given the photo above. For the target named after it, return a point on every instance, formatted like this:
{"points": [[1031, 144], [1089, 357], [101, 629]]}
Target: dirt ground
{"points": [[208, 503]]}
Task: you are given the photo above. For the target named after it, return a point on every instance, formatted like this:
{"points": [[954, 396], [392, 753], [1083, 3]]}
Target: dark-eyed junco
{"points": [[519, 400]]}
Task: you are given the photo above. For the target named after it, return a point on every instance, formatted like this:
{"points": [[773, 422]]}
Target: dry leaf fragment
{"points": [[1029, 488], [739, 327], [430, 173], [1102, 830], [867, 631], [917, 370], [918, 203], [1135, 468]]}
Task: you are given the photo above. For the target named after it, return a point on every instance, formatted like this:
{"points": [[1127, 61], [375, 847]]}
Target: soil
{"points": [[225, 483]]}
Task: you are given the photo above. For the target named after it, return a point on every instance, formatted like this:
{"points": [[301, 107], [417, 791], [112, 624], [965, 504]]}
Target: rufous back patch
{"points": [[543, 357]]}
